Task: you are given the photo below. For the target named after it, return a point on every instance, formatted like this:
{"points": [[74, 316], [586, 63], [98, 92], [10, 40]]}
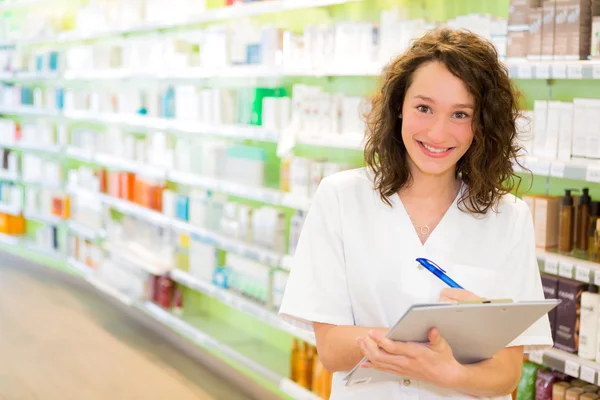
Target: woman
{"points": [[440, 141]]}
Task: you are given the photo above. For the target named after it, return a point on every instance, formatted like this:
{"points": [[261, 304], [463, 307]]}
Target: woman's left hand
{"points": [[433, 362]]}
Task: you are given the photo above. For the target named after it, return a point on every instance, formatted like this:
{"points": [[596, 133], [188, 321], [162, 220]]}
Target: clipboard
{"points": [[474, 330]]}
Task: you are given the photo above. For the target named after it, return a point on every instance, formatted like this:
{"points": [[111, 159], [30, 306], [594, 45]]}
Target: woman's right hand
{"points": [[455, 295]]}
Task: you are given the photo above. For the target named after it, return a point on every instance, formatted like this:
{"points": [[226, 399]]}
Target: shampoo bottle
{"points": [[588, 326], [583, 213], [594, 211], [567, 213], [294, 361]]}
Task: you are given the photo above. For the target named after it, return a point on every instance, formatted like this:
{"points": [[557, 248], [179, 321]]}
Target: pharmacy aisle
{"points": [[62, 341]]}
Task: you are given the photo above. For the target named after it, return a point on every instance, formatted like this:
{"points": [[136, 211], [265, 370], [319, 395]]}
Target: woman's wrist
{"points": [[458, 377]]}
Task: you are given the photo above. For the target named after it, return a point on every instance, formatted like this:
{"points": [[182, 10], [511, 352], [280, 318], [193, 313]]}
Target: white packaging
{"points": [[593, 128], [186, 103], [198, 207], [299, 177], [202, 260], [579, 128], [552, 125], [565, 131], [540, 109], [588, 328]]}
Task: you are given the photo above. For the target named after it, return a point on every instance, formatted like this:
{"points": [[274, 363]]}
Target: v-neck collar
{"points": [[443, 225]]}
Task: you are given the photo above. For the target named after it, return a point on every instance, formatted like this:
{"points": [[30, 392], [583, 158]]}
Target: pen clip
{"points": [[424, 260]]}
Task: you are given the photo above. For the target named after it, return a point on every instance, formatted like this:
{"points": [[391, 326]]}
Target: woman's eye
{"points": [[424, 109], [460, 115]]}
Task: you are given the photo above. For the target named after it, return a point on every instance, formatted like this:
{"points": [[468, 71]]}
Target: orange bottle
{"points": [[294, 361], [302, 365], [317, 378]]}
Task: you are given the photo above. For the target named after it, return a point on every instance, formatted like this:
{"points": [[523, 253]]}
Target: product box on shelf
{"points": [[534, 48], [579, 29], [595, 39], [550, 285], [548, 29], [546, 219], [568, 314]]}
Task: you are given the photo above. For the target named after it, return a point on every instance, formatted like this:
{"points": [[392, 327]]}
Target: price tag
{"points": [[582, 273], [537, 357], [587, 374], [593, 173], [551, 266], [524, 71], [596, 71], [557, 170], [559, 71], [572, 368], [565, 269], [575, 71], [542, 71]]}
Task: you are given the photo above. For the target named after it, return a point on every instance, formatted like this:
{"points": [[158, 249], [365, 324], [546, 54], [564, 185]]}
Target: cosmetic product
{"points": [[579, 29], [591, 236], [550, 286], [302, 366], [548, 29], [526, 388], [534, 48], [574, 393], [595, 45], [294, 360], [589, 396], [546, 221], [568, 313], [559, 390], [296, 225], [583, 219], [566, 223], [545, 381], [588, 329]]}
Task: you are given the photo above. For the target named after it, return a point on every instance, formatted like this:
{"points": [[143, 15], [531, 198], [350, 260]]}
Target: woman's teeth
{"points": [[434, 150]]}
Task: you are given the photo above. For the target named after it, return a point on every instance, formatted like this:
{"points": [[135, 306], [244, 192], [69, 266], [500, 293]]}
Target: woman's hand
{"points": [[454, 295], [432, 362]]}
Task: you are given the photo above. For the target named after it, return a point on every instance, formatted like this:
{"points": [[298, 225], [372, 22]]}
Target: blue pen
{"points": [[439, 272]]}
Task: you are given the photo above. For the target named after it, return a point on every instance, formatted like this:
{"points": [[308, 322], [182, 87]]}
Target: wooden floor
{"points": [[60, 342]]}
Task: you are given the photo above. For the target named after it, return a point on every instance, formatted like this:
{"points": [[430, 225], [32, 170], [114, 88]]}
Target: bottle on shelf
{"points": [[582, 223], [567, 213], [588, 328], [294, 360], [591, 237]]}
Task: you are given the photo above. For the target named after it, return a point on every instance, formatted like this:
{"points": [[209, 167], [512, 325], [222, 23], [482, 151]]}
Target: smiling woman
{"points": [[440, 144]]}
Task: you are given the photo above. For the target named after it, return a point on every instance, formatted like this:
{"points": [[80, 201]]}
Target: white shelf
{"points": [[10, 240], [135, 210], [252, 252], [45, 148], [44, 183], [29, 111], [144, 261], [568, 363], [50, 253], [8, 175], [353, 142], [130, 166], [212, 15], [109, 290], [80, 267], [296, 391], [46, 218], [239, 303], [10, 210], [85, 231], [265, 195], [578, 169], [569, 267], [575, 69], [80, 154]]}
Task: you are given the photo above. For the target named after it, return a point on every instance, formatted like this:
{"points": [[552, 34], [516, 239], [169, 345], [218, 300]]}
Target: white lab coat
{"points": [[355, 265]]}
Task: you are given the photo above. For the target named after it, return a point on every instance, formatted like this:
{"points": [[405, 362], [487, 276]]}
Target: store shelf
{"points": [[107, 289], [85, 231], [46, 218], [144, 260], [238, 351], [568, 363], [252, 252], [136, 210], [80, 154], [239, 303], [29, 111], [579, 169], [10, 240], [10, 210], [119, 163], [43, 148], [13, 5], [569, 267], [8, 176], [351, 142], [265, 195], [50, 253], [211, 15], [585, 69], [44, 183], [79, 266]]}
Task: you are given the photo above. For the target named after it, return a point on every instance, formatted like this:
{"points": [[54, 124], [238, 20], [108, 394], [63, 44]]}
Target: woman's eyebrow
{"points": [[429, 99]]}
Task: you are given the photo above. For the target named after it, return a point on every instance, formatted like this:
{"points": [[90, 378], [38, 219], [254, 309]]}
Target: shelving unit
{"points": [[554, 69], [569, 267], [45, 218], [10, 240], [568, 363], [10, 210]]}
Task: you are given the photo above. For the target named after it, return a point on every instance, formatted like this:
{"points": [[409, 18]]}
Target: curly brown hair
{"points": [[486, 168]]}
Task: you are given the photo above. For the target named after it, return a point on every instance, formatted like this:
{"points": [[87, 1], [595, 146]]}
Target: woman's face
{"points": [[436, 120]]}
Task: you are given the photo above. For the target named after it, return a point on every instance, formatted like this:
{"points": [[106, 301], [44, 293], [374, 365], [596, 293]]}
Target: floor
{"points": [[61, 342]]}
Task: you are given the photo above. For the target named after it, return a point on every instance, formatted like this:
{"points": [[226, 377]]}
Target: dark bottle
{"points": [[591, 236], [565, 225], [583, 218]]}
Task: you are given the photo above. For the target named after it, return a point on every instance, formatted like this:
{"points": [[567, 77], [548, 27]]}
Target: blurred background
{"points": [[163, 155]]}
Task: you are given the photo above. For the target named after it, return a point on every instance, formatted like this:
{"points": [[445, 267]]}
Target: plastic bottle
{"points": [[583, 213], [588, 326], [591, 244], [567, 213]]}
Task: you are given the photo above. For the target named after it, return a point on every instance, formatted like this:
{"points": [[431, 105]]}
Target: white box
{"points": [[540, 109], [565, 131], [579, 128]]}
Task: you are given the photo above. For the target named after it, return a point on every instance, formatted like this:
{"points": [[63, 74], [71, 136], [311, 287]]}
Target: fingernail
{"points": [[359, 340]]}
